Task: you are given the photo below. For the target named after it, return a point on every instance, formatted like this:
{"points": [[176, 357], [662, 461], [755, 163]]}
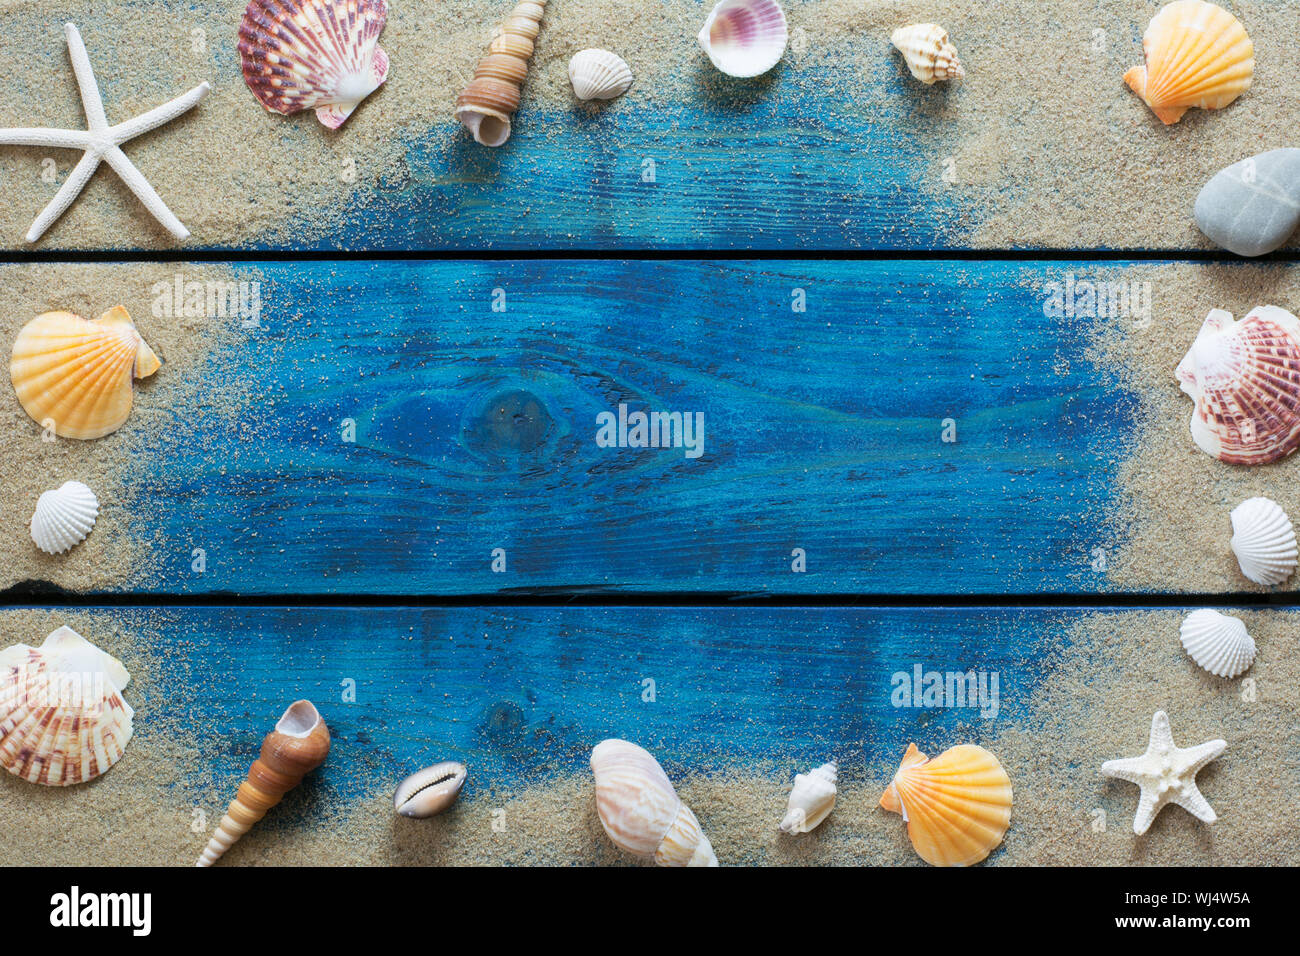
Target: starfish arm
{"points": [[1198, 757], [73, 185], [157, 116], [1162, 738], [1148, 807], [140, 186], [1130, 769], [90, 98], [1193, 801], [41, 136]]}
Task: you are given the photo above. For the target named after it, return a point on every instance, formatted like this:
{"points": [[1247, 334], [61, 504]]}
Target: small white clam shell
{"points": [[599, 75], [811, 799], [64, 517], [745, 38], [1263, 539], [430, 791], [1217, 643], [929, 54]]}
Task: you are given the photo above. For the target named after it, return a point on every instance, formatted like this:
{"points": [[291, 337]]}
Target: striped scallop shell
{"points": [[641, 812], [599, 75], [1263, 539], [745, 38], [929, 54], [1245, 380], [1197, 55], [64, 517], [62, 717], [78, 373], [313, 54], [957, 805], [1217, 643]]}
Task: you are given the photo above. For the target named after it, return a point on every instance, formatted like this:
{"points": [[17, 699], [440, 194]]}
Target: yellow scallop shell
{"points": [[78, 373], [1197, 55], [957, 806]]}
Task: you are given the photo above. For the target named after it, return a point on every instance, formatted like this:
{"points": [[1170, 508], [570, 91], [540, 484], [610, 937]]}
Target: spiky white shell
{"points": [[811, 799], [641, 812], [64, 517], [745, 38], [1218, 643], [1264, 541], [599, 75], [929, 54], [63, 720]]}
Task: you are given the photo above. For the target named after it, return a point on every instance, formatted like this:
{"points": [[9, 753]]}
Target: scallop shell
{"points": [[64, 517], [313, 54], [1245, 380], [430, 791], [811, 799], [957, 806], [1217, 643], [599, 75], [641, 812], [745, 38], [62, 717], [1197, 55], [77, 373], [1263, 540], [929, 54]]}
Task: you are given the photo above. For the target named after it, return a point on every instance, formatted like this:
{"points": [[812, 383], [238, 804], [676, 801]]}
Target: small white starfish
{"points": [[1166, 774], [101, 142]]}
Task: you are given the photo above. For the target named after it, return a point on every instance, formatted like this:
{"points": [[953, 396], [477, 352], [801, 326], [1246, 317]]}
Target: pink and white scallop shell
{"points": [[313, 54], [1245, 380], [745, 38]]}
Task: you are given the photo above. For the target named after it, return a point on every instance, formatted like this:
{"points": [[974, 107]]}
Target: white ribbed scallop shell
{"points": [[64, 517], [1218, 643], [599, 75], [1263, 539], [641, 812], [929, 54], [811, 799], [745, 38]]}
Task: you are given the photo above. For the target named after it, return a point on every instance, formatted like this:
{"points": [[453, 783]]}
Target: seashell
{"points": [[1197, 55], [298, 745], [1245, 380], [929, 54], [1217, 643], [957, 806], [599, 75], [313, 54], [811, 799], [75, 374], [64, 517], [430, 791], [745, 38], [641, 812], [487, 104], [1263, 540], [63, 720]]}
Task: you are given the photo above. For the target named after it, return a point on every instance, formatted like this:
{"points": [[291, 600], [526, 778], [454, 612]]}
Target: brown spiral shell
{"points": [[492, 96]]}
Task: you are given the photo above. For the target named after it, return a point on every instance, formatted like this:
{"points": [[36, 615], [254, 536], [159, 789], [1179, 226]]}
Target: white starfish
{"points": [[101, 142], [1166, 774]]}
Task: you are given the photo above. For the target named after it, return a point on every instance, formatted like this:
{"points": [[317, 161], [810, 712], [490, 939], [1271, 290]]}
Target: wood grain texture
{"points": [[476, 430]]}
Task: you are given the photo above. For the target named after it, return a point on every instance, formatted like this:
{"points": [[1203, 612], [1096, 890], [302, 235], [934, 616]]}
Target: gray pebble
{"points": [[1252, 207]]}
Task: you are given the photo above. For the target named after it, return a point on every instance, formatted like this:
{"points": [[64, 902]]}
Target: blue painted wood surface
{"points": [[476, 430]]}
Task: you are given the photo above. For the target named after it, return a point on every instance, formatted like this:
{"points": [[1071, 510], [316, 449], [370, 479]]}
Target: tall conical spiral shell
{"points": [[63, 720], [1245, 380], [78, 373], [957, 806], [1263, 539], [641, 812], [297, 746], [1197, 55], [929, 54], [487, 104], [313, 54], [811, 799]]}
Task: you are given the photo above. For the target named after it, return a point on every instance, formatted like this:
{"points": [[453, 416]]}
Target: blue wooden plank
{"points": [[477, 430]]}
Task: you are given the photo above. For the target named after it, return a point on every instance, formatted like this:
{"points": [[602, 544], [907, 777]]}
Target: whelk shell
{"points": [[599, 75], [1263, 539], [64, 517], [63, 720], [929, 54], [313, 54], [1217, 643], [1197, 55], [77, 373], [811, 799], [430, 791], [1245, 380], [745, 38], [957, 805], [486, 105], [641, 812]]}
